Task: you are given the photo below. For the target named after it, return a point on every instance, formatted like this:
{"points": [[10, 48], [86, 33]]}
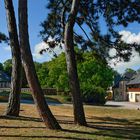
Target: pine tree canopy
{"points": [[3, 37], [114, 13]]}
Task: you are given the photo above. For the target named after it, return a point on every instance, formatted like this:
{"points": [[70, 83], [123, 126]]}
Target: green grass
{"points": [[60, 98], [104, 123], [4, 96], [27, 96]]}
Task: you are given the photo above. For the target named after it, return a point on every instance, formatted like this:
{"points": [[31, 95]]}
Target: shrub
{"points": [[94, 95], [68, 98]]}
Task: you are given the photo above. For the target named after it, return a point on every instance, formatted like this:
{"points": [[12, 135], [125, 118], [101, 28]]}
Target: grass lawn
{"points": [[104, 123], [27, 96]]}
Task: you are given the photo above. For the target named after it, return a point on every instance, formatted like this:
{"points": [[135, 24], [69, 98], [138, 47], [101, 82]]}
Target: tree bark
{"points": [[29, 68], [79, 116], [14, 97]]}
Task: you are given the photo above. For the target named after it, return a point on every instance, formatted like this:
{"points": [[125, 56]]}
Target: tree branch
{"points": [[84, 31]]}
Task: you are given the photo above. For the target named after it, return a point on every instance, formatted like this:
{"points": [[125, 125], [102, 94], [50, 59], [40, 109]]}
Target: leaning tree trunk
{"points": [[29, 68], [79, 116], [14, 97]]}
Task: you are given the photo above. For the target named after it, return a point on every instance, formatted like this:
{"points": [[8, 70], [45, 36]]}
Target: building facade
{"points": [[133, 89], [120, 87]]}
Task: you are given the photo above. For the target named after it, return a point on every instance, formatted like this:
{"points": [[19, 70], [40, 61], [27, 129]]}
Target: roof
{"points": [[4, 77], [128, 75], [125, 77], [134, 80]]}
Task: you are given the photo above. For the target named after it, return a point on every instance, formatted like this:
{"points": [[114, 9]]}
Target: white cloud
{"points": [[42, 45], [134, 62], [7, 48], [129, 37], [37, 50], [112, 52]]}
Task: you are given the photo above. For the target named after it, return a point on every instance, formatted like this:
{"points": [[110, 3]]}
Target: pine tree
{"points": [[30, 72], [90, 14], [79, 116], [3, 37], [62, 17], [14, 97]]}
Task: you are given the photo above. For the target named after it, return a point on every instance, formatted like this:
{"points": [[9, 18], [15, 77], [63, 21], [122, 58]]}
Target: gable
{"points": [[134, 80]]}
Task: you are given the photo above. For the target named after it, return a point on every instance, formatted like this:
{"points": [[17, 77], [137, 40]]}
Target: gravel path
{"points": [[128, 105]]}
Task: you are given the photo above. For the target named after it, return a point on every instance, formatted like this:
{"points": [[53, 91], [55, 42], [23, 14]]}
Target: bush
{"points": [[68, 98], [95, 95]]}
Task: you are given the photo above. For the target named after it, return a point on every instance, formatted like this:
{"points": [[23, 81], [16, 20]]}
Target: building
{"points": [[133, 88], [5, 80], [119, 88]]}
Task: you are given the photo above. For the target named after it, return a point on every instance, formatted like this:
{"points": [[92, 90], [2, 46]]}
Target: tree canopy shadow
{"points": [[111, 127], [47, 137], [98, 126], [116, 127], [23, 118]]}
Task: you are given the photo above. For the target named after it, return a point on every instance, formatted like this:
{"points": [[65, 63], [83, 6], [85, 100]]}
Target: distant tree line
{"points": [[95, 76]]}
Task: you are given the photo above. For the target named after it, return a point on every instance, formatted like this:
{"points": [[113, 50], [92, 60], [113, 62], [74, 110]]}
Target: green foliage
{"points": [[53, 74], [94, 72], [42, 72], [130, 70], [94, 95], [37, 65], [1, 66], [7, 66], [60, 98], [95, 75]]}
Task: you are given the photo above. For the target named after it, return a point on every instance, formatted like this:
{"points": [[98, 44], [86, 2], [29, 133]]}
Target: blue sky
{"points": [[37, 13]]}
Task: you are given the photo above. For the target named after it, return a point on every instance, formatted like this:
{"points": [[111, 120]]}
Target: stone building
{"points": [[120, 86]]}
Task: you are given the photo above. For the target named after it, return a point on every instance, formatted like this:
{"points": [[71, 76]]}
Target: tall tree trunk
{"points": [[29, 68], [14, 97], [79, 116]]}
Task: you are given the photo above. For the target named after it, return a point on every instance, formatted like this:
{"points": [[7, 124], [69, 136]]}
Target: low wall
{"points": [[47, 91]]}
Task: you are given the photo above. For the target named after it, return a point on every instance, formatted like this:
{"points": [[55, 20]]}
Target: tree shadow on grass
{"points": [[102, 126], [116, 127], [117, 132], [21, 127], [114, 121], [104, 132], [47, 137], [111, 127], [67, 120], [23, 118]]}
